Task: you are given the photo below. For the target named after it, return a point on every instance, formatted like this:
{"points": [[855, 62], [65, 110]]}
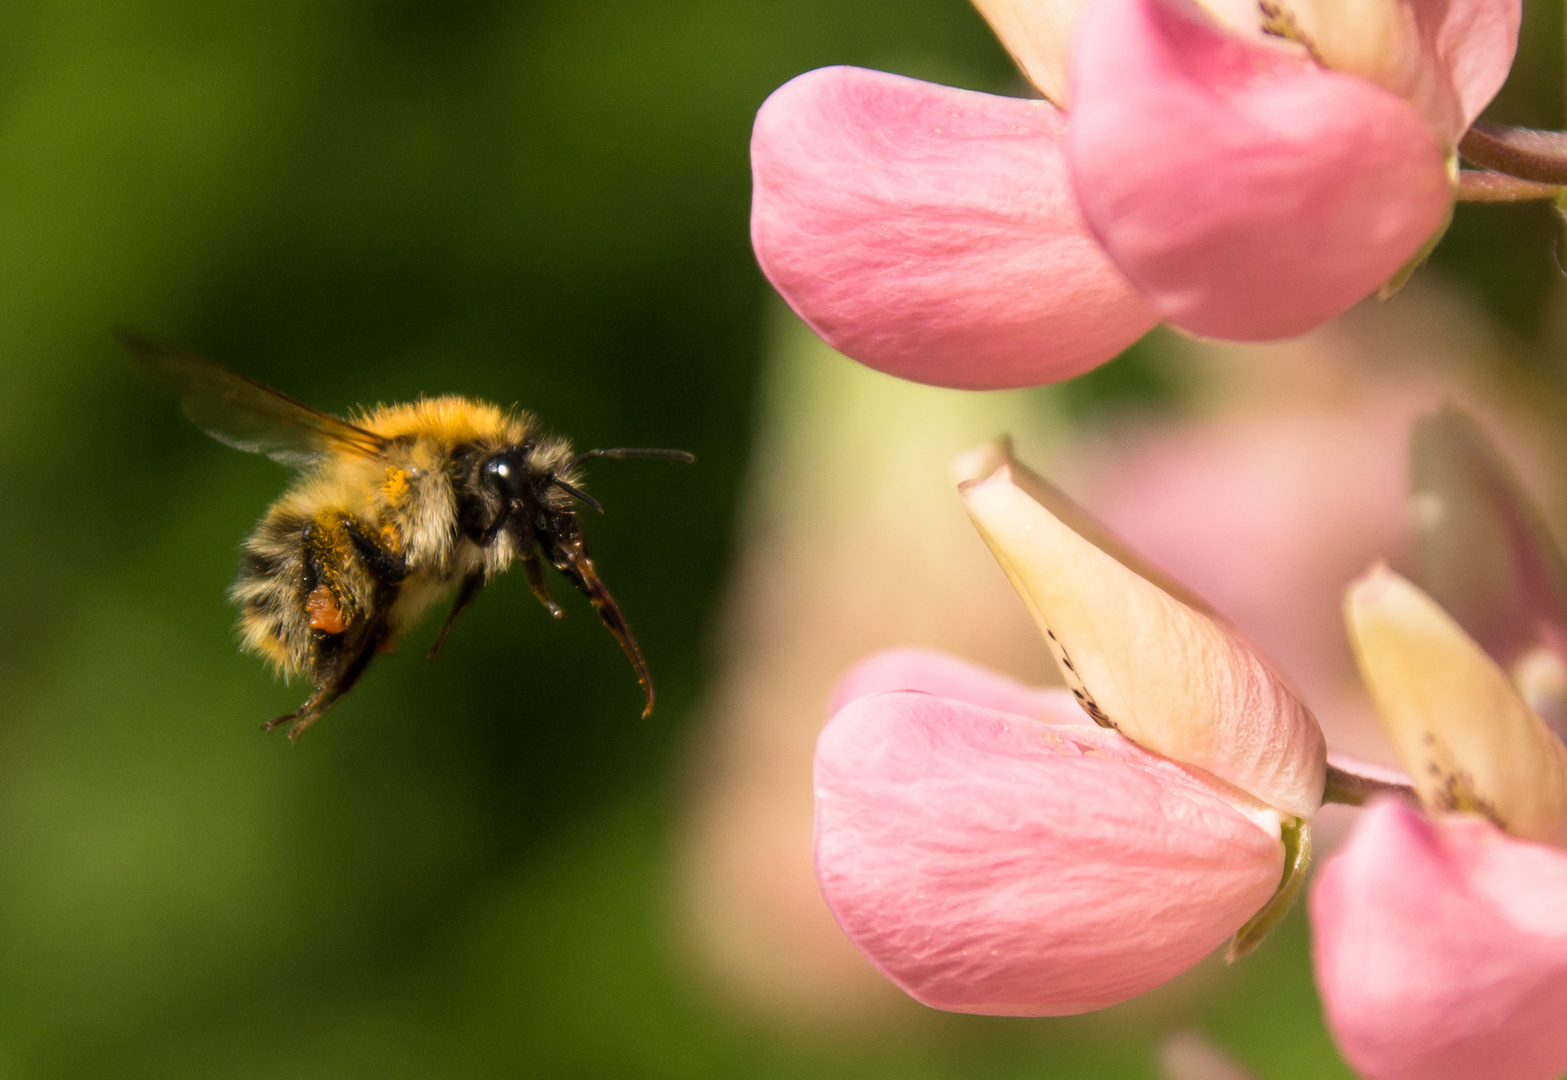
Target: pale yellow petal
{"points": [[1461, 730], [1378, 40], [1038, 34], [982, 461], [1162, 673]]}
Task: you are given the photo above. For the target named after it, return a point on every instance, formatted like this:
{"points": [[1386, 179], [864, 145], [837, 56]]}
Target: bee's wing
{"points": [[247, 415]]}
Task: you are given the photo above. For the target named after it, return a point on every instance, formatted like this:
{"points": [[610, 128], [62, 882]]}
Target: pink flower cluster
{"points": [[998, 849], [1239, 171], [1245, 171]]}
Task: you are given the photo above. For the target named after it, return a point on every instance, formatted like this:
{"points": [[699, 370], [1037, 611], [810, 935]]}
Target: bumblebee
{"points": [[392, 510]]}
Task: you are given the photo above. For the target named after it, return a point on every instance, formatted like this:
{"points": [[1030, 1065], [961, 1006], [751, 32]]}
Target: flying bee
{"points": [[392, 510]]}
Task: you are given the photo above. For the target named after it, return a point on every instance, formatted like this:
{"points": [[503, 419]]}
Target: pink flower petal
{"points": [[1249, 193], [1472, 43], [931, 233], [938, 673], [990, 863], [1441, 950]]}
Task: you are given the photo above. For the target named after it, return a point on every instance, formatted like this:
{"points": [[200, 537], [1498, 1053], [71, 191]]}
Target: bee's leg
{"points": [[384, 565], [348, 669], [534, 571], [467, 593], [526, 540], [569, 555], [343, 638]]}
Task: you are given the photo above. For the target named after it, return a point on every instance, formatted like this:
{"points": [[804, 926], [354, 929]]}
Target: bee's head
{"points": [[508, 474], [517, 489], [531, 486], [531, 489]]}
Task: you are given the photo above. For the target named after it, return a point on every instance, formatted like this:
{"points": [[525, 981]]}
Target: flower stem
{"points": [[1521, 152], [1356, 789], [1488, 185], [1295, 834]]}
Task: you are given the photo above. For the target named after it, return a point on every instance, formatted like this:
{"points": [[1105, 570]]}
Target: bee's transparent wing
{"points": [[247, 415]]}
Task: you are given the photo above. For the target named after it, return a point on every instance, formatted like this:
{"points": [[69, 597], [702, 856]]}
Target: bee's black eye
{"points": [[507, 473]]}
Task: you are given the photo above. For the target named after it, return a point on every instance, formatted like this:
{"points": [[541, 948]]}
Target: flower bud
{"points": [[1167, 676], [1462, 732]]}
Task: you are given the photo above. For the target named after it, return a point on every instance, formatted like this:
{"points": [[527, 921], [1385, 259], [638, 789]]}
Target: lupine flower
{"points": [[1441, 938], [989, 857], [1267, 490], [1238, 171]]}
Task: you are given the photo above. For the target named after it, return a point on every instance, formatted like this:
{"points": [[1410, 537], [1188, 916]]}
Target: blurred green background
{"points": [[464, 871]]}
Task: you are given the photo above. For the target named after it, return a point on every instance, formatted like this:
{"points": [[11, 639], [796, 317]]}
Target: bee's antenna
{"points": [[577, 493], [631, 452]]}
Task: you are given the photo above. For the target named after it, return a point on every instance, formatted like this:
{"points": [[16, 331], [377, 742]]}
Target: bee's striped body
{"points": [[410, 501], [394, 509]]}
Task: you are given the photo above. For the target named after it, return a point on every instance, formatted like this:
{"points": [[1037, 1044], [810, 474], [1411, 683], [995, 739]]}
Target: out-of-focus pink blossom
{"points": [[1441, 940], [1187, 1055], [993, 863], [1243, 172], [1441, 950]]}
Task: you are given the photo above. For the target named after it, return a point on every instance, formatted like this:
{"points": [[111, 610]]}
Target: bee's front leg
{"points": [[533, 570], [467, 593]]}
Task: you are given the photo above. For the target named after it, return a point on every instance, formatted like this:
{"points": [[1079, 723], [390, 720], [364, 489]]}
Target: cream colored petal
{"points": [[1465, 736], [1165, 675], [1038, 34], [1447, 58], [980, 462], [1378, 40]]}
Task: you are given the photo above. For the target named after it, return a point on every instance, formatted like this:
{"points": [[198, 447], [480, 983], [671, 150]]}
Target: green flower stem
{"points": [[1488, 185], [1352, 789], [1521, 152], [1296, 836]]}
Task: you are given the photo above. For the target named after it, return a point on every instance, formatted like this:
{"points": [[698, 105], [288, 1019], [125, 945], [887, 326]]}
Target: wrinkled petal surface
{"points": [[1248, 193], [1464, 735], [1441, 950], [990, 863], [1163, 674], [930, 672], [931, 233]]}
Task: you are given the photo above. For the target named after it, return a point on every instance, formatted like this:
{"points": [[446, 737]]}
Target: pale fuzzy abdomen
{"points": [[268, 590], [405, 504], [422, 591]]}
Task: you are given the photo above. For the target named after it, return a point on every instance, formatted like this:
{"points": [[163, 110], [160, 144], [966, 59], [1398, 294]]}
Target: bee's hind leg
{"points": [[340, 674]]}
